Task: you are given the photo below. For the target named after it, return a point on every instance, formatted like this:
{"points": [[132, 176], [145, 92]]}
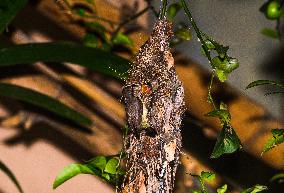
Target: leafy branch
{"points": [[209, 176], [105, 167], [222, 65], [97, 35]]}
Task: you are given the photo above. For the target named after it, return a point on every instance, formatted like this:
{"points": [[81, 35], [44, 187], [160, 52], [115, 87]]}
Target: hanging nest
{"points": [[154, 102]]}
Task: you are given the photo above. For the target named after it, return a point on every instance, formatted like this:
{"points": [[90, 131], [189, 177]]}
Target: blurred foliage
{"points": [[10, 174], [8, 10], [43, 101], [278, 177], [92, 58]]}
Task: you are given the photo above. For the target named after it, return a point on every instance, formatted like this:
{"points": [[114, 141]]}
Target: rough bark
{"points": [[154, 102]]}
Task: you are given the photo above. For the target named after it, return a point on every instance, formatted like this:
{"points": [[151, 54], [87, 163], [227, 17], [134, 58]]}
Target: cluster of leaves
{"points": [[273, 10], [98, 36], [222, 65], [107, 168], [202, 178], [227, 141], [209, 176], [277, 134]]}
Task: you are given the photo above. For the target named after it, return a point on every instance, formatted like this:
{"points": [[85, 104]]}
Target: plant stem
{"points": [[196, 29], [152, 8], [164, 9], [130, 19], [210, 98], [200, 36]]}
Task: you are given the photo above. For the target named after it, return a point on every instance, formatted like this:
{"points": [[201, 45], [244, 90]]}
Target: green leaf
{"points": [[264, 82], [125, 130], [80, 11], [8, 10], [92, 58], [273, 93], [91, 40], [221, 50], [121, 172], [97, 28], [122, 39], [106, 47], [173, 10], [184, 34], [277, 177], [224, 115], [201, 180], [71, 171], [106, 176], [222, 189], [111, 166], [10, 174], [227, 142], [207, 176], [276, 139], [99, 162], [270, 33], [255, 189], [223, 106], [43, 101], [208, 46], [224, 66]]}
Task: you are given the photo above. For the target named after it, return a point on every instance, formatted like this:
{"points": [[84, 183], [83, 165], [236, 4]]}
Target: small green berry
{"points": [[273, 10]]}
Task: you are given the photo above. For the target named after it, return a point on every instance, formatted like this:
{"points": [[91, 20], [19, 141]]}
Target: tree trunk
{"points": [[154, 102]]}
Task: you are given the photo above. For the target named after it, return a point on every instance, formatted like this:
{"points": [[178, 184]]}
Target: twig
{"points": [[130, 19], [152, 8], [210, 98], [196, 29], [164, 9]]}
